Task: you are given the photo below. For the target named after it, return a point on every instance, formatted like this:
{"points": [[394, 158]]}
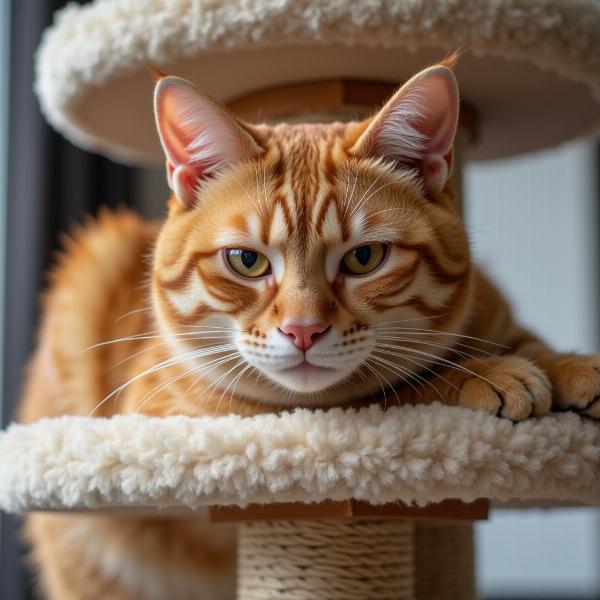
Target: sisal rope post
{"points": [[328, 560]]}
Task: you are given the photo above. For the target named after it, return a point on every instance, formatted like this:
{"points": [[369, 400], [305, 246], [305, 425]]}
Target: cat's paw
{"points": [[576, 383], [510, 387]]}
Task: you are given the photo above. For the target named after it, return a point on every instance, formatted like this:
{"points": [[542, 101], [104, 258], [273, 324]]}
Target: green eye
{"points": [[248, 263], [363, 259]]}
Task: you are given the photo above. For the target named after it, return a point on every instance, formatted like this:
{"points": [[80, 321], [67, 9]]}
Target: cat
{"points": [[299, 265]]}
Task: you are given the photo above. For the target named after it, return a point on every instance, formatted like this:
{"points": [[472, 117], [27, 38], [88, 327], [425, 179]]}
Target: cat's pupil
{"points": [[248, 258], [363, 254]]}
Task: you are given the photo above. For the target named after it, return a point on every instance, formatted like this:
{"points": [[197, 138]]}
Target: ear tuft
{"points": [[156, 73], [199, 137], [417, 127], [452, 58]]}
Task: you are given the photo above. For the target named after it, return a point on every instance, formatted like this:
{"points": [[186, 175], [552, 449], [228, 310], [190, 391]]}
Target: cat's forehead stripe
{"points": [[306, 186], [254, 226], [279, 230], [299, 192]]}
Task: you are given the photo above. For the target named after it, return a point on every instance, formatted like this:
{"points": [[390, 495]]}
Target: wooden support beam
{"points": [[344, 99], [448, 511]]}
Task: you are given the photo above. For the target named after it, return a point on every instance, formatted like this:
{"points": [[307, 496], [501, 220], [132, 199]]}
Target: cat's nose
{"points": [[304, 336]]}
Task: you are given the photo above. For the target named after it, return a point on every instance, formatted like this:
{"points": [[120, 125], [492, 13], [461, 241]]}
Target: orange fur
{"points": [[426, 326]]}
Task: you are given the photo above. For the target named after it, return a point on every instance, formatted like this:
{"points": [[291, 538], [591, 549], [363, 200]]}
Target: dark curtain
{"points": [[51, 185]]}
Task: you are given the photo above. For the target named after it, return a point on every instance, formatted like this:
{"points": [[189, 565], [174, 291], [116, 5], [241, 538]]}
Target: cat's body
{"points": [[304, 270]]}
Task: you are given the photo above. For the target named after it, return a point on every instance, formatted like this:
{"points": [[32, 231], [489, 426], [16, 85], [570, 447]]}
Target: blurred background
{"points": [[534, 225]]}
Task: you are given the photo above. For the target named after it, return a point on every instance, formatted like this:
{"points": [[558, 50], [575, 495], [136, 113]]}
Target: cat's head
{"points": [[302, 255]]}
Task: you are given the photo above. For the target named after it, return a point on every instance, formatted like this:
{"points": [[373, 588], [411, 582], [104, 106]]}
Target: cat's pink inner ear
{"points": [[198, 136], [417, 127]]}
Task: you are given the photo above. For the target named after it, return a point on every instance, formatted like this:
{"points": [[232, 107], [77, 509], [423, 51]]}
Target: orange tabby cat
{"points": [[299, 265]]}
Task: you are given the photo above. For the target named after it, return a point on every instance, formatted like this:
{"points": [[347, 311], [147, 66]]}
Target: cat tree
{"points": [[338, 504]]}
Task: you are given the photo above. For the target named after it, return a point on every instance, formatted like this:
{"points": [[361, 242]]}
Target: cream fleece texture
{"points": [[415, 454]]}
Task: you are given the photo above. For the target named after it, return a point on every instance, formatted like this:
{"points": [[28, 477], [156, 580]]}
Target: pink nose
{"points": [[304, 335]]}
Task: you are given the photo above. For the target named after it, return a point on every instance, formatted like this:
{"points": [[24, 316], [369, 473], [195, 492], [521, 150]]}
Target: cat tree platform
{"points": [[419, 455], [331, 504], [531, 68]]}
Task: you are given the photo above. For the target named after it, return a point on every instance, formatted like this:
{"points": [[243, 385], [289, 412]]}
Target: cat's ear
{"points": [[417, 126], [199, 137]]}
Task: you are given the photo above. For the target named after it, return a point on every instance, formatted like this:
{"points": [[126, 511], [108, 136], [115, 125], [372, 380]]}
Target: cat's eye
{"points": [[248, 263], [363, 259]]}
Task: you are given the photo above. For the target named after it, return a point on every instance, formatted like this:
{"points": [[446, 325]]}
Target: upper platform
{"points": [[530, 69]]}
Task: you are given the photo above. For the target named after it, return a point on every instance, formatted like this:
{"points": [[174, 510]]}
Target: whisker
{"points": [[234, 381], [153, 346], [449, 363], [415, 330], [411, 319], [243, 400], [351, 195], [423, 366], [199, 368], [162, 365], [453, 349], [359, 373], [161, 386], [401, 370], [134, 355], [216, 383], [136, 337], [404, 209], [215, 363], [361, 202], [420, 378], [405, 374], [385, 379], [368, 366], [259, 207], [435, 374], [344, 202], [133, 312], [258, 374], [365, 200]]}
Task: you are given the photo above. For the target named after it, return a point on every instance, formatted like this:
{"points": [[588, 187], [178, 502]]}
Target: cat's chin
{"points": [[306, 378]]}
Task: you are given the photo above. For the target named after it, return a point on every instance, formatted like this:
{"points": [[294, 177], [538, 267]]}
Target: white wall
{"points": [[540, 554], [534, 225]]}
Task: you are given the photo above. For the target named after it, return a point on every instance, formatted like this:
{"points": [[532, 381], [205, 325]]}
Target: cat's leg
{"points": [[530, 381], [527, 367], [511, 387], [91, 557], [486, 374], [575, 378], [63, 568]]}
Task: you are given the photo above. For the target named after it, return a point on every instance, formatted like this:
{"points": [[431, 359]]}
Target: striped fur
{"points": [[304, 203]]}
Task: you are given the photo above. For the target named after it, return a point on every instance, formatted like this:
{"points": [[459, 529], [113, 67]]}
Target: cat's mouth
{"points": [[306, 367], [306, 377]]}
